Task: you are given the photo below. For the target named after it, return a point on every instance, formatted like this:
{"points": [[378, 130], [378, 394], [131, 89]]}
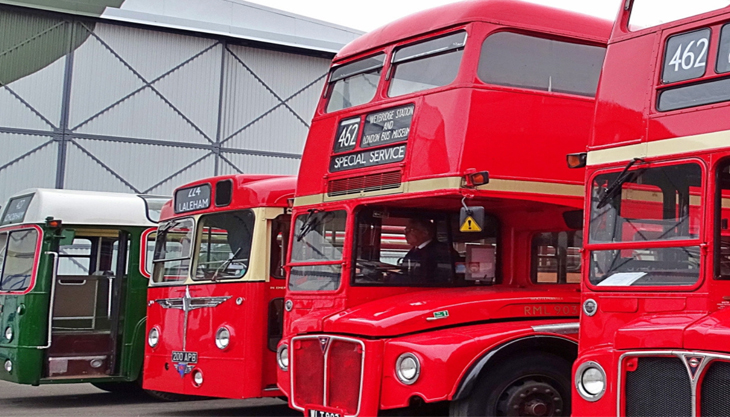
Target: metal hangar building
{"points": [[144, 95]]}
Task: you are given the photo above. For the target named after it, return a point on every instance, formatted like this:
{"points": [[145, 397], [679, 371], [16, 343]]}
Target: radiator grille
{"points": [[364, 183], [658, 387], [340, 359], [715, 389]]}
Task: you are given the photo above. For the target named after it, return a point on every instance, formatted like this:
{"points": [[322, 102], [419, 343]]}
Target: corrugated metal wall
{"points": [[98, 106]]}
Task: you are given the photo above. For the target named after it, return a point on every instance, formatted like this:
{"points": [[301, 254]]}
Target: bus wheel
{"points": [[535, 385]]}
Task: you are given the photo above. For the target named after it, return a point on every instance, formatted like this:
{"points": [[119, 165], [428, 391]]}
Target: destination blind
{"points": [[15, 212], [192, 198], [368, 158]]}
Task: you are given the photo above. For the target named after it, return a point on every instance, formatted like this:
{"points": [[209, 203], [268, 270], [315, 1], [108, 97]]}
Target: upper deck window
{"points": [[354, 83], [648, 13], [429, 64], [416, 249], [647, 206], [523, 61], [317, 251]]}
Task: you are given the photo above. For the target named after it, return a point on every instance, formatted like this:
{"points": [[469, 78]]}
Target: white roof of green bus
{"points": [[80, 208]]}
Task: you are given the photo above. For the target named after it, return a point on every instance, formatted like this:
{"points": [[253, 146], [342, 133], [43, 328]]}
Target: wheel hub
{"points": [[530, 398]]}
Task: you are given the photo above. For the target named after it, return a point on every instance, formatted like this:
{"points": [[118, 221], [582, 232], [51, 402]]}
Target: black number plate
{"points": [[318, 413], [185, 357]]}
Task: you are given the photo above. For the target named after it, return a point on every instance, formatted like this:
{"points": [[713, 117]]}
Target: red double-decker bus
{"points": [[215, 301], [435, 248], [656, 267]]}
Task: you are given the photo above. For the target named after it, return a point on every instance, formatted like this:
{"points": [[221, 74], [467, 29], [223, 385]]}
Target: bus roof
{"points": [[77, 207], [503, 12], [249, 191]]}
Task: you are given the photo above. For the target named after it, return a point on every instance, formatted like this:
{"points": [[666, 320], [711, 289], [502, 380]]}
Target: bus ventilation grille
{"points": [[713, 396], [364, 183], [658, 387]]}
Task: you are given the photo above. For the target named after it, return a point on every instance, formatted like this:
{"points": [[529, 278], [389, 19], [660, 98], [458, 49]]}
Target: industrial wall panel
{"points": [[85, 173], [254, 164], [173, 77], [143, 166], [31, 70], [26, 162], [277, 131], [246, 99], [202, 169]]}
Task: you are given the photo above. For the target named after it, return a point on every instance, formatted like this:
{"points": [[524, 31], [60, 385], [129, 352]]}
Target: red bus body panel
{"points": [[521, 137], [665, 323], [246, 367]]}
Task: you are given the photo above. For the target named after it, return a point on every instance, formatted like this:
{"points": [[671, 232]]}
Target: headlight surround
{"points": [[9, 334], [282, 357], [590, 381], [9, 366], [408, 368], [222, 338], [153, 337], [198, 377]]}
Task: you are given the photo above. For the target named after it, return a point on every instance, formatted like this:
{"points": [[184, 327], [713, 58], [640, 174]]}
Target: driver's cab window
{"points": [[224, 245], [405, 248]]}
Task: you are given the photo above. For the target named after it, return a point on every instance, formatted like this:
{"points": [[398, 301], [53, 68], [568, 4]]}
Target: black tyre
{"points": [[534, 385]]}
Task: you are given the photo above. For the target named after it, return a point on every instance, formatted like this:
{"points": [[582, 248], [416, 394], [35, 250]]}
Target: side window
{"points": [[556, 257], [430, 64], [522, 61], [276, 322], [74, 258], [722, 217], [279, 244], [3, 247], [19, 260], [149, 248]]}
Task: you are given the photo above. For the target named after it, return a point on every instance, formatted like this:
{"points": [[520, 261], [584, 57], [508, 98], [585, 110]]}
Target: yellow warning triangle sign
{"points": [[470, 225]]}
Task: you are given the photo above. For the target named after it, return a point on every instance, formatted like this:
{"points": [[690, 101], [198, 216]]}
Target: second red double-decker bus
{"points": [[435, 251], [656, 279], [215, 308]]}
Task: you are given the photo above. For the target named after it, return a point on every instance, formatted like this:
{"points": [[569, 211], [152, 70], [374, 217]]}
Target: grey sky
{"points": [[370, 14]]}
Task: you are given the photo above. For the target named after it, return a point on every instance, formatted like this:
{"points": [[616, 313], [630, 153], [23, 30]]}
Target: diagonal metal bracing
{"points": [[25, 155], [148, 84], [32, 38], [173, 144], [29, 106], [266, 86], [178, 172], [106, 167], [283, 103], [226, 160]]}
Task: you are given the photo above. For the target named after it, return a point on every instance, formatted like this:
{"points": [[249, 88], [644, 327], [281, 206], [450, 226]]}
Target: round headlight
{"points": [[222, 338], [282, 357], [407, 368], [590, 380], [198, 378], [9, 333], [153, 337], [9, 365]]}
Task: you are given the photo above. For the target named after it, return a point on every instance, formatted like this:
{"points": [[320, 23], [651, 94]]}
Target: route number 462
{"points": [[688, 59]]}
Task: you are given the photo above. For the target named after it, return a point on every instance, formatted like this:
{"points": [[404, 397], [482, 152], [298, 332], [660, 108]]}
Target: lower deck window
{"points": [[403, 248], [556, 257]]}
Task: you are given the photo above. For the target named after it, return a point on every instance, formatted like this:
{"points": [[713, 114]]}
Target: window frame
{"points": [[589, 247], [36, 260]]}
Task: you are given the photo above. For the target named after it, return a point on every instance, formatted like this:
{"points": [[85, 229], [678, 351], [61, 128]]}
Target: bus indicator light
{"points": [[577, 160], [53, 223]]}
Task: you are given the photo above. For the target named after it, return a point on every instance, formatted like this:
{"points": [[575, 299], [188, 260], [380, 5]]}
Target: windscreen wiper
{"points": [[169, 225], [309, 224], [225, 264], [612, 189]]}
